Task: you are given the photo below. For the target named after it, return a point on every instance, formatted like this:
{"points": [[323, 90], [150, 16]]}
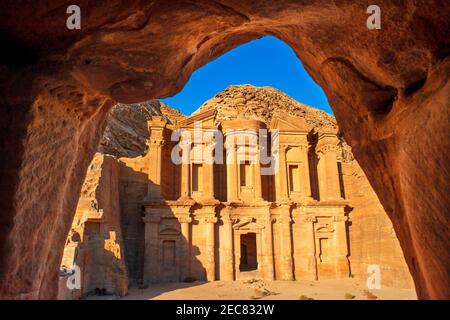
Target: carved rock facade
{"points": [[235, 218]]}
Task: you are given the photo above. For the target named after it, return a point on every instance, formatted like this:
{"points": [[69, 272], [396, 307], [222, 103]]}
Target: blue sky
{"points": [[262, 62]]}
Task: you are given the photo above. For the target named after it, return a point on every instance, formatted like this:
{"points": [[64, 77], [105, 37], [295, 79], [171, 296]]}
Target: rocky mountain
{"points": [[261, 103], [126, 132]]}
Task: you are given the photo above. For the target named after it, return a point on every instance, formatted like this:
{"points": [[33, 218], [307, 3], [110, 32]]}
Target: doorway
{"points": [[249, 260]]}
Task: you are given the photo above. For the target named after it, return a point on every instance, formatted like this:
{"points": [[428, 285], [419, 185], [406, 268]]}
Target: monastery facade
{"points": [[228, 221], [249, 199]]}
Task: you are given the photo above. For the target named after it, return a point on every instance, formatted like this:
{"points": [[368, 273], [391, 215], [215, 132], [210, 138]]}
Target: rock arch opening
{"points": [[342, 189]]}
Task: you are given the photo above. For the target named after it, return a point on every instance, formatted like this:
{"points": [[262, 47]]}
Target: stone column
{"points": [[156, 128], [210, 222], [268, 265], [232, 170], [151, 258], [327, 149], [286, 243], [237, 253], [208, 173], [227, 261], [257, 174], [305, 187], [308, 266], [185, 170], [281, 175], [185, 247], [154, 184], [341, 249]]}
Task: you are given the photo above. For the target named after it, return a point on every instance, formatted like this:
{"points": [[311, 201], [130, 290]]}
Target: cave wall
{"points": [[133, 180], [372, 236], [95, 243]]}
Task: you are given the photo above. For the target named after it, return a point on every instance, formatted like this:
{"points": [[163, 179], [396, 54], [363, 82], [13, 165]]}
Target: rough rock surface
{"points": [[261, 103], [95, 242], [389, 90], [126, 131]]}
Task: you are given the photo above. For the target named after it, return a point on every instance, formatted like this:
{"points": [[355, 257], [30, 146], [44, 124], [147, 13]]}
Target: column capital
{"points": [[157, 122], [209, 219], [226, 218], [229, 220], [185, 219], [328, 147], [156, 142]]}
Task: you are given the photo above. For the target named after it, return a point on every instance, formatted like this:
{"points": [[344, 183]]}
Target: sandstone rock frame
{"points": [[389, 90]]}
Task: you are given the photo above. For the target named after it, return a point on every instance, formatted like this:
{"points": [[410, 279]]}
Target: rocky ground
{"points": [[343, 289]]}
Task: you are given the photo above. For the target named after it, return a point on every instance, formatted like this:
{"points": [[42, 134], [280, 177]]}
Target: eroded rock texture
{"points": [[389, 90], [95, 241], [126, 133]]}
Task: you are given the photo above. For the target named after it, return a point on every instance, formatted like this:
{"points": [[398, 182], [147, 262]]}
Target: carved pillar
{"points": [[327, 149], [227, 261], [210, 222], [269, 272], [156, 127], [208, 173], [305, 187], [281, 175], [341, 246], [237, 253], [286, 243], [232, 170], [257, 174], [151, 261], [185, 170], [308, 262], [185, 247]]}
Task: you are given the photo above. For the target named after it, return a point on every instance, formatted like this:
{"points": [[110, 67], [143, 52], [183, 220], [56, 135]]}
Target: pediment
{"points": [[288, 123], [207, 118], [247, 224]]}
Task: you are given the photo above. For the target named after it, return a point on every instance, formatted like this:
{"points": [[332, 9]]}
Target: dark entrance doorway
{"points": [[249, 261]]}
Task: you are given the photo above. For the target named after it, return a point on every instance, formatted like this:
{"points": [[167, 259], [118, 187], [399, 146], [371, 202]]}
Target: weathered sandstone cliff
{"points": [[126, 132]]}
